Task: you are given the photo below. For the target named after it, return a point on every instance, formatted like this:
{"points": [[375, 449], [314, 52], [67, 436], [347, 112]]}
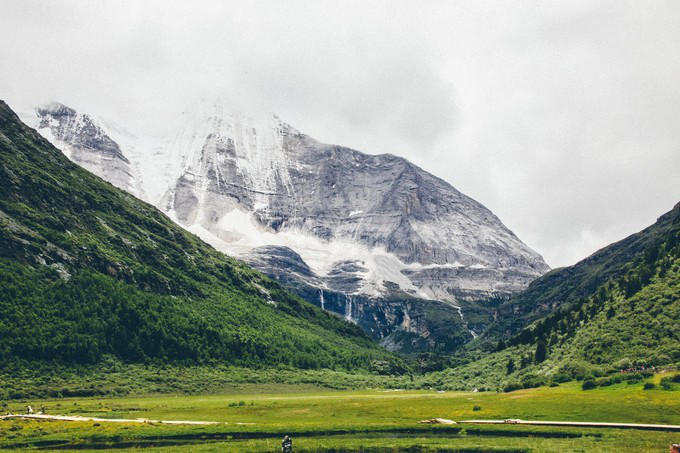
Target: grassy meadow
{"points": [[375, 420]]}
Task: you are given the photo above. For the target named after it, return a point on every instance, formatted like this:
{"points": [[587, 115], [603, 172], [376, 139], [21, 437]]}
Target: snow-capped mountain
{"points": [[365, 228]]}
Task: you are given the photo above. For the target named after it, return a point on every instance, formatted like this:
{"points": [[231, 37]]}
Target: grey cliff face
{"points": [[452, 247], [86, 143], [373, 238], [398, 323]]}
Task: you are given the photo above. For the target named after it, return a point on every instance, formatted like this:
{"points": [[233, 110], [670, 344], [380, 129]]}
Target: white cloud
{"points": [[559, 116]]}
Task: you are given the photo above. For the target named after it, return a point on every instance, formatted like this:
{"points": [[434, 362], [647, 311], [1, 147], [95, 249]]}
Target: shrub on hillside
{"points": [[588, 384], [512, 386], [670, 383], [630, 378], [622, 364], [560, 377], [532, 381], [649, 386], [578, 370], [658, 359], [615, 379]]}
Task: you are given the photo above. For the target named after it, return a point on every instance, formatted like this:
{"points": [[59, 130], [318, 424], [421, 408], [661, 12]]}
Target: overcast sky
{"points": [[562, 117]]}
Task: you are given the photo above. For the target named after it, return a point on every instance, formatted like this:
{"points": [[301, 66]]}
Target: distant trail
{"points": [[78, 418], [579, 424]]}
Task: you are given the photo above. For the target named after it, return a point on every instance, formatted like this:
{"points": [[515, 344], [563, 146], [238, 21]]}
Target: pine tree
{"points": [[541, 351], [611, 312], [526, 361], [510, 366]]}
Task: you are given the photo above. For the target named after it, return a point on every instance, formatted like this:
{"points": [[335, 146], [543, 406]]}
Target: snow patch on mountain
{"points": [[239, 233]]}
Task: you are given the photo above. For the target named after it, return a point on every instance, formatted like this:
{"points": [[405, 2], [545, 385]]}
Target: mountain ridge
{"points": [[567, 285], [371, 228]]}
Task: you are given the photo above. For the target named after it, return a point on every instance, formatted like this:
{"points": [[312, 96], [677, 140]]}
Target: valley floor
{"points": [[376, 420]]}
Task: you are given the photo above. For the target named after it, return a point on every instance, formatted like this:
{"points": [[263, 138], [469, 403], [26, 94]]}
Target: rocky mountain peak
{"points": [[373, 227]]}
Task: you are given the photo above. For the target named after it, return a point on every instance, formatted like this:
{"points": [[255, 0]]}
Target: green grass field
{"points": [[375, 420]]}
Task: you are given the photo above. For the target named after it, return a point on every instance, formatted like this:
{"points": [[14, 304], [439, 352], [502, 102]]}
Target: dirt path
{"points": [[578, 424], [77, 418]]}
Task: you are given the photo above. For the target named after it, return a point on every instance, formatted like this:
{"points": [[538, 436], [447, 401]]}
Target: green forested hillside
{"points": [[88, 271], [572, 285]]}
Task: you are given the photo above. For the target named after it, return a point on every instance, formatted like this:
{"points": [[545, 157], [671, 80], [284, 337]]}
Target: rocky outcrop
{"points": [[85, 142]]}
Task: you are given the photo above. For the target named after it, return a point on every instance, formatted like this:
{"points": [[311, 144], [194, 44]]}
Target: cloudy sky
{"points": [[562, 117]]}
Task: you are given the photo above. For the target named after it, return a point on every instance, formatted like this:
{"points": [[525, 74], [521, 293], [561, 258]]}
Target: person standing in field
{"points": [[287, 445]]}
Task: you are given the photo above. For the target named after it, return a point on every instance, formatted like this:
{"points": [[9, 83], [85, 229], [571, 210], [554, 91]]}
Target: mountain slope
{"points": [[373, 232], [632, 313], [570, 285], [88, 270], [620, 309]]}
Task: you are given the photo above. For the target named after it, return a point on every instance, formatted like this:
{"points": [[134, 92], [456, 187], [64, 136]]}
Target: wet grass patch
{"points": [[552, 434], [99, 442]]}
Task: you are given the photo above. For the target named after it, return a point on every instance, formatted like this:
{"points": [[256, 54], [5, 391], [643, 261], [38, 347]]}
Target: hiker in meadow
{"points": [[29, 410], [287, 445]]}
